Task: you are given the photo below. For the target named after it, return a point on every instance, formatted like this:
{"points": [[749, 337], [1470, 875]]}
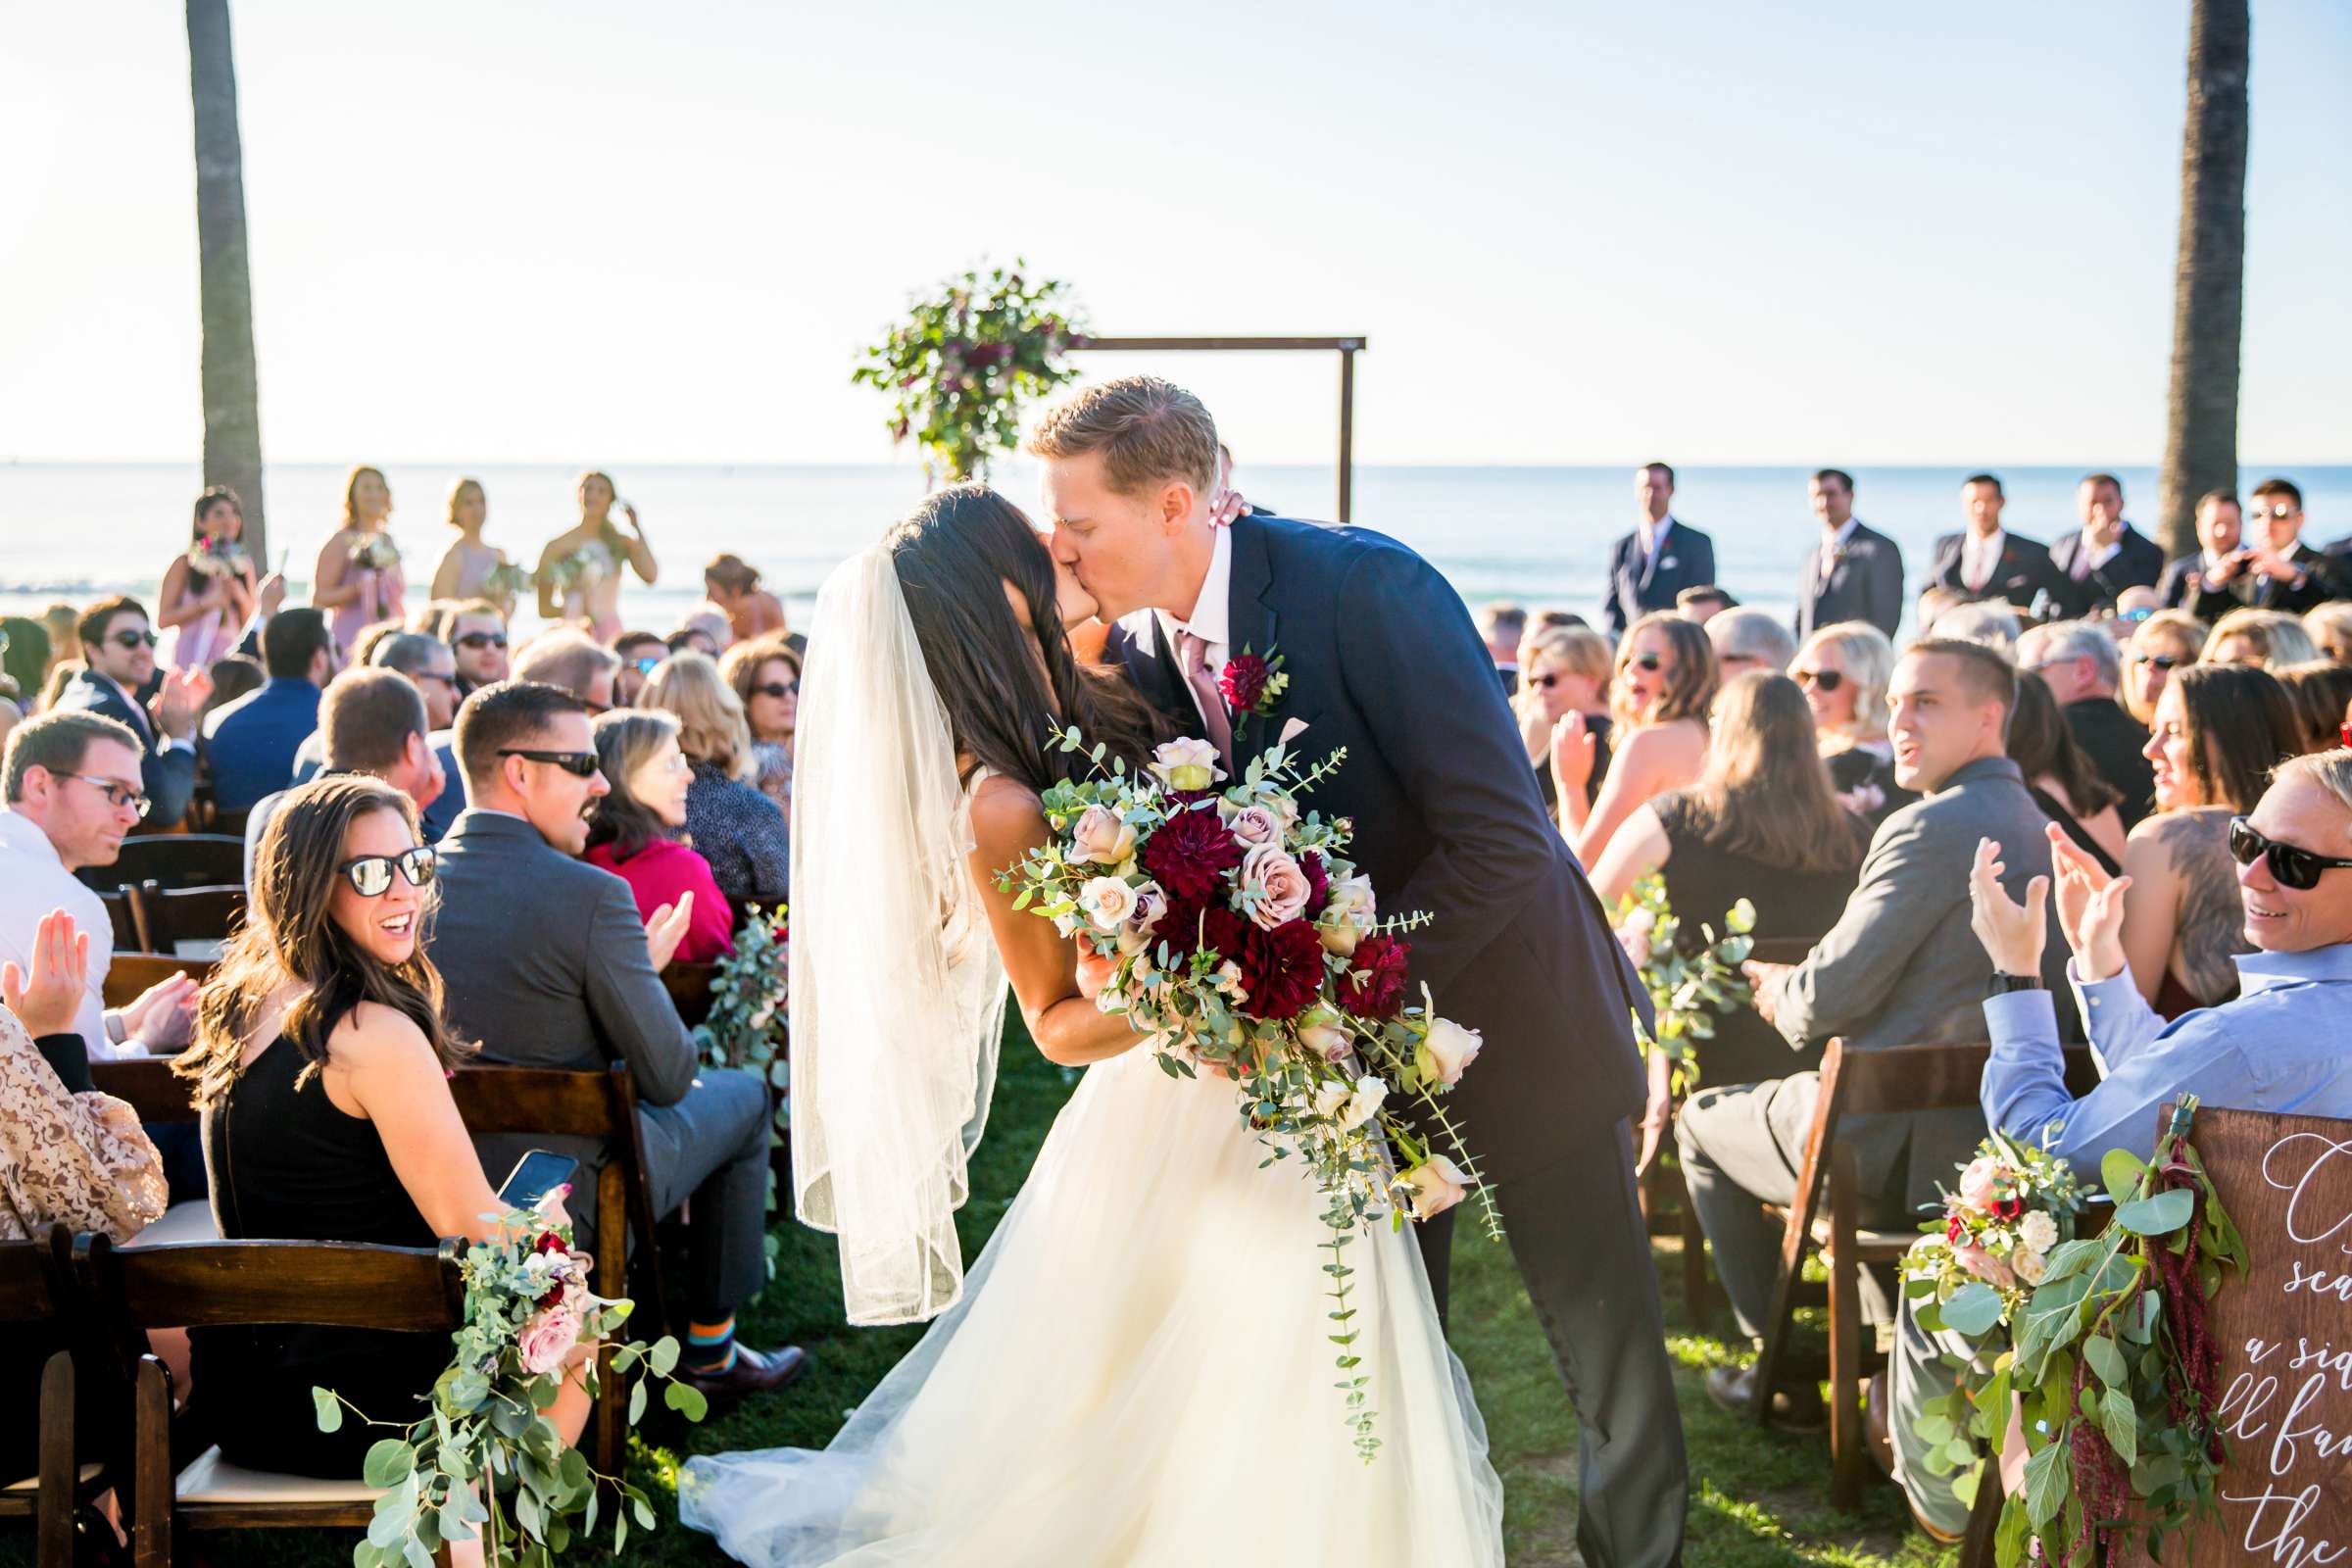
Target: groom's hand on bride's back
{"points": [[1227, 507]]}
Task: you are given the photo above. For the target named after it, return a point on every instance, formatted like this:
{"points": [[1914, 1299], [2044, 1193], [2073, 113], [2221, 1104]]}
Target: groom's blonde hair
{"points": [[1149, 432]]}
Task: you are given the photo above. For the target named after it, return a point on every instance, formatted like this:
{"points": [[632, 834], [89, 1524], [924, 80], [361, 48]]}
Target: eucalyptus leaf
{"points": [[2120, 1171], [387, 1462], [1972, 1309], [330, 1409], [663, 1357], [686, 1399], [637, 1402], [2160, 1215]]}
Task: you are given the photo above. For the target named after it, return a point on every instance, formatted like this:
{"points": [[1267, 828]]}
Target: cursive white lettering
{"points": [[2301, 1185], [2241, 1403], [2284, 1545], [2283, 1457]]}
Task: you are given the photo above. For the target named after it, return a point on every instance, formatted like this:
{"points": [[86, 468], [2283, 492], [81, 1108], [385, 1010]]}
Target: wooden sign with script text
{"points": [[2286, 1336]]}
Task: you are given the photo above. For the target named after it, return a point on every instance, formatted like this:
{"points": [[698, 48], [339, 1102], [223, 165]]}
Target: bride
{"points": [[1136, 1371]]}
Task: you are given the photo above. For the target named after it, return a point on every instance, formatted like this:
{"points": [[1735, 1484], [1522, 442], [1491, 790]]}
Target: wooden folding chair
{"points": [[172, 860], [35, 1289], [165, 917], [689, 987], [118, 920], [227, 1284], [128, 974]]}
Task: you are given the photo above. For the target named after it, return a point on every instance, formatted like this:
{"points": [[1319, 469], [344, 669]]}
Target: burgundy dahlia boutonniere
{"points": [[1251, 682]]}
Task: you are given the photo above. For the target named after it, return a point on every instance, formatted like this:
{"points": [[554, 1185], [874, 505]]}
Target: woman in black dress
{"points": [[1762, 825], [322, 1067], [2061, 776]]}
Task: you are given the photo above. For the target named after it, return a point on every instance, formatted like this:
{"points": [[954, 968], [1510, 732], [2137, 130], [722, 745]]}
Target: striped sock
{"points": [[710, 1346]]}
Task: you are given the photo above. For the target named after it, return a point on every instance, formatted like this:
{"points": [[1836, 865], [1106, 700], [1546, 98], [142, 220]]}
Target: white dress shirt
{"points": [[1981, 558], [32, 882], [1834, 543], [1652, 537], [1212, 619], [2099, 555]]}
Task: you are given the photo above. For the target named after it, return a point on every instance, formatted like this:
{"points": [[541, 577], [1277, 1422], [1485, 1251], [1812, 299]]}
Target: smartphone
{"points": [[536, 1174]]}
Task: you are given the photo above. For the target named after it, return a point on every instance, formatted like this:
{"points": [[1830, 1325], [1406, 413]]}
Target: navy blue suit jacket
{"points": [[1686, 559], [166, 772], [251, 742], [1383, 659]]}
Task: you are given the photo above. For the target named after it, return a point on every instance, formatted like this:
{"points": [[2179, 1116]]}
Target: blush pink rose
{"points": [[1254, 825], [547, 1339], [1977, 1184], [1436, 1186], [1984, 1266], [1101, 837], [1284, 885]]}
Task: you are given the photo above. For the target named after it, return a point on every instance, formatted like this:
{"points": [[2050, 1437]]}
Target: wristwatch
{"points": [[2000, 985]]}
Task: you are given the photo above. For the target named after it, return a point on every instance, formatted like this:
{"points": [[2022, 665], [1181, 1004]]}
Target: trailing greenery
{"points": [[1690, 989]]}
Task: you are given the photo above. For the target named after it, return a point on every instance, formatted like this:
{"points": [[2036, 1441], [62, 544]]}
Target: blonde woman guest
{"points": [[357, 594], [739, 831], [466, 565], [637, 831], [579, 571], [204, 612], [1843, 670], [2270, 638], [2168, 640], [2219, 731], [1563, 670], [2330, 629], [2322, 691], [1664, 680], [63, 623], [764, 673]]}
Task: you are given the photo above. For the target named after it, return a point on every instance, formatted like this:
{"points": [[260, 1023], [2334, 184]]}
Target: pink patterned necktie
{"points": [[1191, 651]]}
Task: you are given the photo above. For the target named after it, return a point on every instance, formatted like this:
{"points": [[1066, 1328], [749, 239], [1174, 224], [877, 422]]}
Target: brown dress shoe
{"points": [[753, 1372], [1875, 1423]]}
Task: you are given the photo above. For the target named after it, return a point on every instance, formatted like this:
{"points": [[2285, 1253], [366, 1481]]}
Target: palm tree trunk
{"points": [[2209, 286], [232, 418]]}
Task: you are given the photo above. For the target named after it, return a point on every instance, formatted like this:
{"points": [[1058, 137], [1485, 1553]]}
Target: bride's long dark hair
{"points": [[952, 556]]}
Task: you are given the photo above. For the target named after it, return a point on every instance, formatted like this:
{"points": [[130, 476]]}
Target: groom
{"points": [[1383, 659]]}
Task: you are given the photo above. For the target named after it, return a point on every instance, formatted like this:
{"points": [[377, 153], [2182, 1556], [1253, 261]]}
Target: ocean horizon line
{"points": [[1465, 465]]}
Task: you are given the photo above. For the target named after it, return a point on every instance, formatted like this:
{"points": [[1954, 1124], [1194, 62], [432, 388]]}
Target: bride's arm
{"points": [[1042, 966]]}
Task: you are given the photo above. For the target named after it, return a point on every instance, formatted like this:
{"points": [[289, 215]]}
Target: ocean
{"points": [[1537, 536]]}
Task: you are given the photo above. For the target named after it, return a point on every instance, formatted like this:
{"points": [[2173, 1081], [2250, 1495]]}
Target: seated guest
{"points": [[1750, 640], [321, 1069], [1899, 969], [693, 639], [2283, 571], [252, 741], [638, 830], [432, 667], [2081, 667], [2321, 690], [1660, 692], [1504, 627], [586, 990], [2167, 641], [1843, 670], [233, 677], [2277, 1048], [1984, 560], [741, 832], [765, 676], [74, 790], [2330, 629], [10, 715], [1703, 603], [733, 585], [373, 722], [2089, 570], [118, 653], [638, 652], [1989, 622], [569, 658], [2059, 775], [2219, 731], [1761, 824], [476, 633], [2270, 638], [25, 655], [1563, 670]]}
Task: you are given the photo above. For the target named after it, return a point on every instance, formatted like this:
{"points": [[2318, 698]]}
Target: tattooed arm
{"points": [[2182, 911]]}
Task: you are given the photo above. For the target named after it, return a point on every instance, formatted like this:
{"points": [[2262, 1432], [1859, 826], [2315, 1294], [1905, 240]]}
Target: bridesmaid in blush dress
{"points": [[466, 564], [359, 581], [208, 591]]}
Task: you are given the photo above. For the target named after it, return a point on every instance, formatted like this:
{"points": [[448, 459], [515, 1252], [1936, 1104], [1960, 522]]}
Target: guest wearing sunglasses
{"points": [[766, 675], [1843, 670], [476, 633], [639, 652], [551, 965], [2166, 642], [118, 653], [637, 830], [2269, 569], [1664, 681], [1563, 670]]}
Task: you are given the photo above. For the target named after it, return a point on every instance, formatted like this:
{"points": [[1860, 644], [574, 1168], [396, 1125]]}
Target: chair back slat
{"points": [[28, 1281], [338, 1284], [172, 860], [1944, 1077], [128, 974], [148, 1084], [536, 1100], [166, 916]]}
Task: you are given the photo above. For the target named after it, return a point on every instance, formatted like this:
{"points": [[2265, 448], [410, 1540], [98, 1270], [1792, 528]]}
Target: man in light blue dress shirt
{"points": [[2280, 1046]]}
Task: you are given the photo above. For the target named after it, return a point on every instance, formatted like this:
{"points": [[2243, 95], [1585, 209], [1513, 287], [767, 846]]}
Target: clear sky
{"points": [[579, 231]]}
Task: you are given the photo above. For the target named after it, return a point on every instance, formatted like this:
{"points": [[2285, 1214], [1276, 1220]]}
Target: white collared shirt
{"points": [[1981, 557], [1652, 536], [1213, 613], [1834, 543], [2099, 555], [32, 882]]}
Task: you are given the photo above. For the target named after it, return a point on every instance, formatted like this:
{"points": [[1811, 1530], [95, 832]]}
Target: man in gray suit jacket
{"points": [[548, 965], [1854, 572], [1901, 967]]}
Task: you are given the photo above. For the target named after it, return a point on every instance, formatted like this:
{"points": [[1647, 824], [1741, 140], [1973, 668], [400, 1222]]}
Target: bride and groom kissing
{"points": [[1135, 1370]]}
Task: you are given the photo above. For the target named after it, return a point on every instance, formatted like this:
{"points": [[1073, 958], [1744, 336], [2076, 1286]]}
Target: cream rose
{"points": [[2038, 1232], [1151, 906], [1186, 764], [1447, 1050], [1437, 1184], [1320, 1033], [1331, 1096], [1364, 1104], [1105, 902], [2029, 1267], [1283, 888], [1101, 837], [1350, 910]]}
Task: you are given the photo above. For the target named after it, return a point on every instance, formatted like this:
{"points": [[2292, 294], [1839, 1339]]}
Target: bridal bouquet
{"points": [[488, 1456], [1232, 928], [376, 551], [218, 556]]}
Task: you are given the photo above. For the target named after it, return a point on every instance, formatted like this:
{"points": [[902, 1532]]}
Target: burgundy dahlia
{"points": [[1374, 985], [1188, 853], [1318, 883], [1224, 931], [1243, 681], [1281, 970]]}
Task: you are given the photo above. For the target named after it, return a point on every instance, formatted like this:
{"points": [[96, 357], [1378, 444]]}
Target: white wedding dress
{"points": [[1136, 1371]]}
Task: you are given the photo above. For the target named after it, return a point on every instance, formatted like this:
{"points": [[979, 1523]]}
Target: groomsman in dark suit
{"points": [[2090, 568], [1660, 558], [117, 652], [1856, 573], [1984, 560], [2254, 560]]}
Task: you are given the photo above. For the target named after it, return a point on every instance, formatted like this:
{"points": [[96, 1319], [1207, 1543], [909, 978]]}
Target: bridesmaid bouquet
{"points": [[506, 580], [374, 551], [488, 1457], [1231, 928], [578, 571], [216, 557]]}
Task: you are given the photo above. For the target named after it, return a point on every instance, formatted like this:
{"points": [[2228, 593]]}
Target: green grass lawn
{"points": [[1759, 1500]]}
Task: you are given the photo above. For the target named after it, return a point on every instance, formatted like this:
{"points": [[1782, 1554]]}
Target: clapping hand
{"points": [[667, 929], [163, 1017], [2091, 907], [272, 593], [182, 698], [47, 1000], [2013, 933], [1572, 754]]}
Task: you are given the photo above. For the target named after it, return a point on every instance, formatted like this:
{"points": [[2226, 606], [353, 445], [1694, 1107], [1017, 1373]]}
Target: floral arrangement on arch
{"points": [[1231, 928], [966, 359], [1689, 990], [488, 1461]]}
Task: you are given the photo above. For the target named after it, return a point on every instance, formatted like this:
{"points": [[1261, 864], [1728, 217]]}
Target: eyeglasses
{"points": [[118, 795], [780, 690], [133, 639], [650, 662], [371, 875], [476, 641], [2277, 513], [2160, 661], [1828, 680], [1544, 683], [579, 764], [2296, 868], [1648, 662]]}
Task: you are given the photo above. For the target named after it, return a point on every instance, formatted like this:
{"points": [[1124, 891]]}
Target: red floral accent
{"points": [[1318, 883], [1281, 970], [1221, 929], [1188, 853], [1243, 682], [1374, 985]]}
